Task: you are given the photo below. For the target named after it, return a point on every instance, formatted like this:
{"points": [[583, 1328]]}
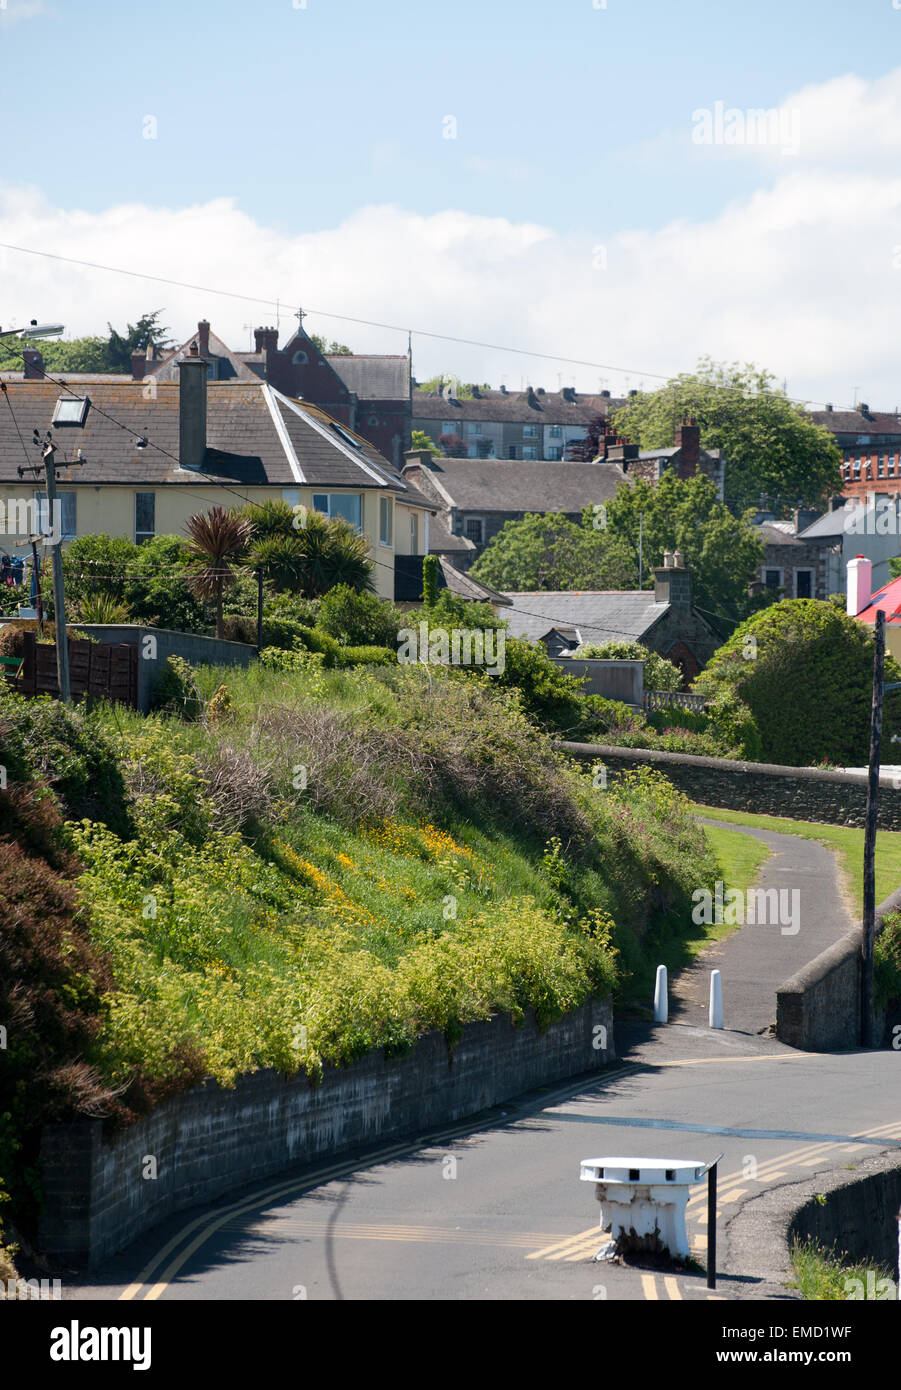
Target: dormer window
{"points": [[70, 410]]}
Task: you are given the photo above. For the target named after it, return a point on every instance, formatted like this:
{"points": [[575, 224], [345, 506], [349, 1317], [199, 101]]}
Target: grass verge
{"points": [[823, 1274]]}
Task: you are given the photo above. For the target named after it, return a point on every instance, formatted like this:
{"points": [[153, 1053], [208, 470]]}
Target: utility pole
{"points": [[36, 571], [868, 942], [59, 602]]}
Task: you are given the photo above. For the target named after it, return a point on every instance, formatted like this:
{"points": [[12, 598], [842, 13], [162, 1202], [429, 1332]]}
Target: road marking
{"points": [[649, 1286], [731, 1196], [563, 1245], [671, 1287]]}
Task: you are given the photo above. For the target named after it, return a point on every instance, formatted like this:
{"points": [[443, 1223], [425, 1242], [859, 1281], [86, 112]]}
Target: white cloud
{"points": [[16, 10], [799, 276]]}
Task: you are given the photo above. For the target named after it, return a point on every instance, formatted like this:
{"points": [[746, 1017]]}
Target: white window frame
{"points": [[327, 510], [555, 431], [530, 431], [386, 521], [414, 533]]}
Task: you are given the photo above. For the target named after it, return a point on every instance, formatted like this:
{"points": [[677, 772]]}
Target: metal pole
{"points": [[59, 602], [711, 1225], [868, 941], [259, 610]]}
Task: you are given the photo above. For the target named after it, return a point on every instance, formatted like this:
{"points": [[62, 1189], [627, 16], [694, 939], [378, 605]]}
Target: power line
{"points": [[391, 327]]}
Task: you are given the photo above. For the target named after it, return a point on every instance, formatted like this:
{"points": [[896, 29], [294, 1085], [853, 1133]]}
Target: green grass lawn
{"points": [[845, 841]]}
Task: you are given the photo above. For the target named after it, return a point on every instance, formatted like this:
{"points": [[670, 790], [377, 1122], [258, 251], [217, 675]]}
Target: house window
{"points": [[300, 359], [474, 529], [70, 410], [857, 468], [449, 427], [772, 579], [386, 520], [291, 495], [348, 505], [529, 451], [474, 427], [511, 451], [803, 583], [145, 517], [556, 432], [66, 502], [530, 431], [414, 533], [882, 466], [555, 453]]}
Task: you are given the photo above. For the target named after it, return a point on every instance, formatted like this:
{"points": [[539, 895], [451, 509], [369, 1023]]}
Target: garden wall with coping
{"points": [[210, 1140], [156, 644], [766, 789]]}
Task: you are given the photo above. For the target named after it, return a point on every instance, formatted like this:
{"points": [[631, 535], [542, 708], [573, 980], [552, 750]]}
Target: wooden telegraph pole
{"points": [[868, 942]]}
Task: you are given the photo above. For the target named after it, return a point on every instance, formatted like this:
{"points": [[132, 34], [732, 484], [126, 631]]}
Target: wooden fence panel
{"points": [[95, 669]]}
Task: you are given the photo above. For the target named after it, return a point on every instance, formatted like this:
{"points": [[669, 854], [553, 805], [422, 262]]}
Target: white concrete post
{"points": [[716, 999], [661, 996]]}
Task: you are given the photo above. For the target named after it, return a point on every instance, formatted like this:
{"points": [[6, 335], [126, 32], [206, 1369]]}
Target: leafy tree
{"points": [[802, 672], [547, 551], [721, 550], [659, 674], [138, 337], [331, 349], [771, 446], [451, 446], [156, 587], [79, 355], [420, 440], [96, 566], [430, 580], [216, 541]]}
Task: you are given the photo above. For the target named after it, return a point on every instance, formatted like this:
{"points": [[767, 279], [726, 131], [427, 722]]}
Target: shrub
{"points": [[803, 671], [177, 689], [887, 973], [321, 642], [11, 635], [659, 674], [368, 656], [358, 619], [549, 694]]}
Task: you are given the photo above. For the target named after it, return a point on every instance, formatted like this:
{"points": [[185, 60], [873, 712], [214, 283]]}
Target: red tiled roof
{"points": [[886, 600]]}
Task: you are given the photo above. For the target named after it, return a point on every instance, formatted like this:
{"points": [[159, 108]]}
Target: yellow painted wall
{"points": [[111, 509]]}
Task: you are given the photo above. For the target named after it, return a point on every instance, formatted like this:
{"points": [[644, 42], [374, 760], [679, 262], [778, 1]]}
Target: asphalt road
{"points": [[495, 1210]]}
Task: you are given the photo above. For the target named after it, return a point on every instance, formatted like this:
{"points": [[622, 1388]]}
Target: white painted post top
{"points": [[642, 1170]]}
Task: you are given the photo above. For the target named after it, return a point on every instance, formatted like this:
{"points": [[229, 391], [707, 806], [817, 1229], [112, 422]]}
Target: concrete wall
{"points": [[858, 1217], [152, 655], [814, 794], [615, 680], [211, 1140], [818, 1009]]}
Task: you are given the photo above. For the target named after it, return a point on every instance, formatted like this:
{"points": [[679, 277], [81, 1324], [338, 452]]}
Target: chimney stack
{"points": [[192, 379], [139, 365], [34, 364], [860, 585], [672, 581], [203, 338], [265, 339], [688, 440]]}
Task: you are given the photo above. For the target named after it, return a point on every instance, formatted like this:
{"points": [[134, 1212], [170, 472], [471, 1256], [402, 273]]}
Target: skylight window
{"points": [[70, 410], [348, 438]]}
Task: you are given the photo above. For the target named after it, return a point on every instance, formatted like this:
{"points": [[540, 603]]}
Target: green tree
{"points": [[420, 440], [331, 349], [138, 337], [216, 541], [156, 587], [359, 620], [721, 550], [771, 446], [803, 671], [547, 551]]}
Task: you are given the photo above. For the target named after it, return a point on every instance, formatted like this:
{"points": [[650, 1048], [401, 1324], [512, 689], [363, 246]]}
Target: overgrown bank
{"points": [[322, 863]]}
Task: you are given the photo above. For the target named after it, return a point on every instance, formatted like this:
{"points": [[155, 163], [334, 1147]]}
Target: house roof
{"points": [[599, 615], [229, 366], [373, 378], [502, 485], [888, 600], [255, 437], [443, 542], [853, 422], [548, 407], [778, 533], [466, 587]]}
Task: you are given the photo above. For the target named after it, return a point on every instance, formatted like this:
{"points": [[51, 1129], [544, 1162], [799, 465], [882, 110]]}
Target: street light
{"points": [[34, 330]]}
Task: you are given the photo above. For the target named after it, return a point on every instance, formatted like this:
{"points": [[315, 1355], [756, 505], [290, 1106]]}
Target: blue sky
{"points": [[570, 118]]}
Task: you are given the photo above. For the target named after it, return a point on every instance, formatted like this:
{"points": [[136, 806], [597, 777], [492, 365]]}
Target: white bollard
{"points": [[716, 999], [661, 996]]}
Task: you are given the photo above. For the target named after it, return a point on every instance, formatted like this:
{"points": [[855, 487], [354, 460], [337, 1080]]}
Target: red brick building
{"points": [[871, 448]]}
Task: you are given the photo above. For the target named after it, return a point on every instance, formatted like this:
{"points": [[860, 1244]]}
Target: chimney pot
{"points": [[860, 585]]}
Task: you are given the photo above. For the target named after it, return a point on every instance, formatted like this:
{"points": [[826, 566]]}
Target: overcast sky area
{"points": [[567, 178]]}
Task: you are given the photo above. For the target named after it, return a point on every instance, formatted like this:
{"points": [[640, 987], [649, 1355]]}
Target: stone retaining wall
{"points": [[210, 1140]]}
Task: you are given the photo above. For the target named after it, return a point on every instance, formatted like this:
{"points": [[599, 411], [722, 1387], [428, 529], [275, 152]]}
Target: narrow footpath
{"points": [[756, 959]]}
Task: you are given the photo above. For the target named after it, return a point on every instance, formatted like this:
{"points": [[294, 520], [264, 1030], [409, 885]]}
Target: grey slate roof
{"points": [[373, 378], [827, 526], [516, 485], [467, 587], [777, 533], [443, 542], [853, 422], [229, 366], [599, 616], [549, 408], [248, 424]]}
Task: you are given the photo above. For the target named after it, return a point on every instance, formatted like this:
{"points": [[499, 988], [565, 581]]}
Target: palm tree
{"points": [[307, 559], [216, 541]]}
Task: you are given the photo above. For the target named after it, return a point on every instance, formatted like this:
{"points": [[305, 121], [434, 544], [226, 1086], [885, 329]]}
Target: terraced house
{"points": [[143, 456]]}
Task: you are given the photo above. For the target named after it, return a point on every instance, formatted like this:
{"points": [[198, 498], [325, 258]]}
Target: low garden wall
{"points": [[801, 793], [614, 680], [101, 1193], [156, 644]]}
